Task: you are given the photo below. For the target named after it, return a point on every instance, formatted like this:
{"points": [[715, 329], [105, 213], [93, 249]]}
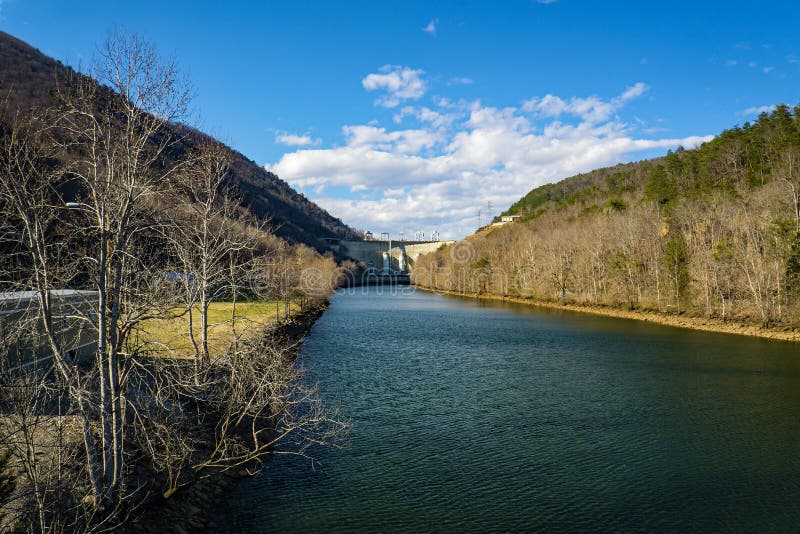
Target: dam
{"points": [[386, 260]]}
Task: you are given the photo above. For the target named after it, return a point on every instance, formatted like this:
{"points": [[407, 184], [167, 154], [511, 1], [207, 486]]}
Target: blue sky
{"points": [[406, 116]]}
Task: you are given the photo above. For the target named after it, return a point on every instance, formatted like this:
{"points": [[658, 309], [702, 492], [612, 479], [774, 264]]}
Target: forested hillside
{"points": [[713, 231], [30, 79]]}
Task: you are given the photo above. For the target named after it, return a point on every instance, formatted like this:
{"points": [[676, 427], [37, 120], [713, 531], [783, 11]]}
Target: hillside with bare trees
{"points": [[113, 223], [711, 232], [29, 79]]}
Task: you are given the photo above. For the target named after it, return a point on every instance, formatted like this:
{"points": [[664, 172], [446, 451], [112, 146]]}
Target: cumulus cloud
{"points": [[434, 119], [397, 82], [442, 161], [290, 139]]}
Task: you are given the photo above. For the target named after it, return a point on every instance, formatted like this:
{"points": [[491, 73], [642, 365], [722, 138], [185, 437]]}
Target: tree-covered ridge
{"points": [[713, 231], [747, 155]]}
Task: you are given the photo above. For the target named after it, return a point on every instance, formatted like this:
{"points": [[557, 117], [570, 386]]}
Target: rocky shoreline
{"points": [[191, 508], [781, 333]]}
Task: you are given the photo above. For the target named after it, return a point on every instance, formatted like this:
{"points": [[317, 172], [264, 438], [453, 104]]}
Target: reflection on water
{"points": [[473, 415]]}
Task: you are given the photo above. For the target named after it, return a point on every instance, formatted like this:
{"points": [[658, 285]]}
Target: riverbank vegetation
{"points": [[227, 322], [99, 192], [712, 232]]}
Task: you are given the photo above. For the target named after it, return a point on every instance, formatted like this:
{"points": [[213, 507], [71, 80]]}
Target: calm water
{"points": [[476, 416]]}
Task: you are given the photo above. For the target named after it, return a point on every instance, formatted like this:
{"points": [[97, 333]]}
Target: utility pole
{"points": [[479, 218], [489, 211]]}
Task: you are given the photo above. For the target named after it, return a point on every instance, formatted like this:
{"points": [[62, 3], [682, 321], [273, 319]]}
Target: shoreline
{"points": [[784, 333], [191, 508]]}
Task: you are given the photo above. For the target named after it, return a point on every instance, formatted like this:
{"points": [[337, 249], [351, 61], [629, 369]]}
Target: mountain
{"points": [[711, 232], [29, 79]]}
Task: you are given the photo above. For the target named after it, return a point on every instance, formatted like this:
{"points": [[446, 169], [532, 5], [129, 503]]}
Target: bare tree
{"points": [[209, 237], [122, 139], [788, 172], [31, 208], [116, 138]]}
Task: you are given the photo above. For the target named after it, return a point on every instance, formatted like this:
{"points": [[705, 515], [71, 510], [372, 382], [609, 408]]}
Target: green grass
{"points": [[170, 337]]}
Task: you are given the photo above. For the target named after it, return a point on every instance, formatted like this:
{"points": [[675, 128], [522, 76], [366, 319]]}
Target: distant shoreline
{"points": [[780, 333]]}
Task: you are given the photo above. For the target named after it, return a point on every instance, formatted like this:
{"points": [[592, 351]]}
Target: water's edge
{"points": [[680, 321], [192, 508]]}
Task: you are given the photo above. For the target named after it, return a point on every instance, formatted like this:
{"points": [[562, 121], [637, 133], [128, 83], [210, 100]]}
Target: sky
{"points": [[413, 116]]}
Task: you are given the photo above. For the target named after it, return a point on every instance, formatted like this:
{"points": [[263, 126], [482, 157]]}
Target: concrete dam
{"points": [[387, 258]]}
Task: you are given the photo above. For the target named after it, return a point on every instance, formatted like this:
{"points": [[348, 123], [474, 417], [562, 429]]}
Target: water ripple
{"points": [[471, 416]]}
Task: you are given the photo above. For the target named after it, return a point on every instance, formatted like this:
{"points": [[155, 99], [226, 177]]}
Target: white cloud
{"points": [[758, 110], [731, 63], [434, 119], [399, 84], [590, 109], [547, 106], [634, 91], [290, 139], [459, 155], [397, 192], [401, 142], [431, 27]]}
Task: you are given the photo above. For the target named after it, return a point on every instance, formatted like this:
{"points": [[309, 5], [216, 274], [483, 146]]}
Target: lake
{"points": [[485, 416]]}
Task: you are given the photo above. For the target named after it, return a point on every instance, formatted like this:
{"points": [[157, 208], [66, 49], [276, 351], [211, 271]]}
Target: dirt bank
{"points": [[783, 333]]}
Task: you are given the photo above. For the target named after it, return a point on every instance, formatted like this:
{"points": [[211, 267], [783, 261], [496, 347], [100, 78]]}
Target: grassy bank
{"points": [[168, 337], [681, 321]]}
